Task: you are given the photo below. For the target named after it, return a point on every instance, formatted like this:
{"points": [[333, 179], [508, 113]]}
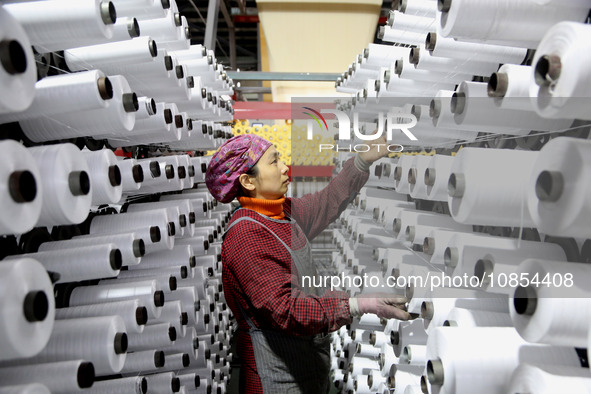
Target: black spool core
{"points": [[116, 259], [182, 171], [13, 57], [79, 183], [144, 385], [155, 235], [169, 171], [133, 28], [172, 284], [525, 300], [105, 88], [85, 375], [184, 318], [22, 186], [184, 272], [159, 359], [171, 229], [192, 262], [115, 175], [186, 360], [138, 173], [141, 315], [155, 169], [158, 298], [175, 384], [168, 63], [191, 172], [172, 333], [183, 220], [35, 306], [120, 343]]}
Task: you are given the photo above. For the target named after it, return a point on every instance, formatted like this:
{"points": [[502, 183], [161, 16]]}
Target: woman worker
{"points": [[283, 331]]}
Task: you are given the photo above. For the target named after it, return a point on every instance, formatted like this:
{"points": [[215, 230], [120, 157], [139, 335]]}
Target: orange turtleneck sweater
{"points": [[270, 208]]}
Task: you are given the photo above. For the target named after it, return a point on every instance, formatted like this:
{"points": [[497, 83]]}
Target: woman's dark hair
{"points": [[254, 172]]}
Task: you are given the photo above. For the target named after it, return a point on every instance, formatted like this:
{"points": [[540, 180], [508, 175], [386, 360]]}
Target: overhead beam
{"points": [[211, 25]]}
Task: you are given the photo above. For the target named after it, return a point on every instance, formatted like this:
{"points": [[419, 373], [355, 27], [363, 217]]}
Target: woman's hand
{"points": [[378, 149], [384, 305]]}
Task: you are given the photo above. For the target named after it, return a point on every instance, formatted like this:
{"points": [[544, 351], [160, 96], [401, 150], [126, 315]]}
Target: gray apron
{"points": [[288, 363]]}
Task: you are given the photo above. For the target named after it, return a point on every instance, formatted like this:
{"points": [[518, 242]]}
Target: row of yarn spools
{"points": [[132, 80], [439, 54], [138, 305], [512, 304]]}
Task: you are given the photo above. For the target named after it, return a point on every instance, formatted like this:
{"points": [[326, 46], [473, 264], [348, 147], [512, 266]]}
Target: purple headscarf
{"points": [[234, 158]]}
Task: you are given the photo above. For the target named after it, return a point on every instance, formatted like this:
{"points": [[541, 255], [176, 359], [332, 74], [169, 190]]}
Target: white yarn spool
{"points": [[166, 282], [162, 29], [384, 54], [27, 306], [177, 272], [59, 377], [133, 221], [179, 222], [105, 176], [435, 177], [557, 188], [100, 340], [434, 310], [147, 108], [125, 28], [458, 20], [137, 50], [189, 380], [131, 385], [148, 292], [182, 255], [18, 72], [448, 47], [408, 219], [461, 317], [406, 375], [424, 60], [399, 36], [508, 257], [164, 383], [501, 200], [547, 378], [560, 74], [406, 71], [401, 174], [414, 354], [67, 191], [133, 313], [143, 362], [417, 186], [199, 243], [425, 8], [177, 362], [454, 366], [142, 9], [154, 336], [61, 24], [132, 174], [408, 22], [150, 169], [553, 314], [21, 193], [510, 87], [115, 118], [33, 388], [64, 93], [471, 109], [82, 263]]}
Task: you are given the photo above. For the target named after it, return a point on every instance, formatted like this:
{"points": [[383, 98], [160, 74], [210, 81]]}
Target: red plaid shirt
{"points": [[257, 270]]}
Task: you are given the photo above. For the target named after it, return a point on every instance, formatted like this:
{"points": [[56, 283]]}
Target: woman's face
{"points": [[272, 181]]}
